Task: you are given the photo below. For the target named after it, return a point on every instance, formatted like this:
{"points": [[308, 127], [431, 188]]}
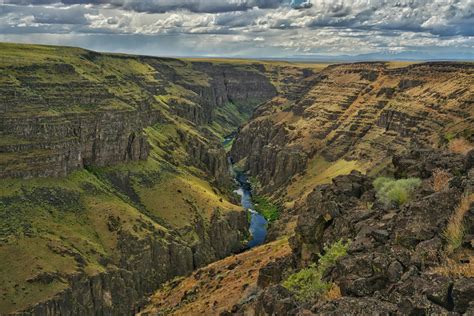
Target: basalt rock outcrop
{"points": [[396, 260]]}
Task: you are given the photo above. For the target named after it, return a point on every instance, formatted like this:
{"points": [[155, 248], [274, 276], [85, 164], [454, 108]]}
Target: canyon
{"points": [[116, 195]]}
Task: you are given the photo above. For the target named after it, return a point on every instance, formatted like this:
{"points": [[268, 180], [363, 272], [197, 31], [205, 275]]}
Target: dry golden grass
{"points": [[333, 293], [217, 287], [460, 146], [455, 229], [454, 268], [400, 64], [440, 179]]}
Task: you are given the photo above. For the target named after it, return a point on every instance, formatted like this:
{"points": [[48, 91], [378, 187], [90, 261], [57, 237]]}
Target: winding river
{"points": [[258, 223]]}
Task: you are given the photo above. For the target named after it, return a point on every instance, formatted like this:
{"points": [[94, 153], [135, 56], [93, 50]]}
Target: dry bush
{"points": [[460, 146], [333, 293], [454, 231], [440, 179]]}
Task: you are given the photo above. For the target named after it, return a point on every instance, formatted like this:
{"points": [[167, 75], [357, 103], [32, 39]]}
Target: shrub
{"points": [[440, 179], [455, 230], [307, 283], [460, 146], [398, 191]]}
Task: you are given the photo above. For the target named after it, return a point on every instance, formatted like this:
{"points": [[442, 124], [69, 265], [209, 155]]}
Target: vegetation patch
{"points": [[307, 284], [270, 211], [321, 171], [455, 230], [228, 145], [399, 191]]}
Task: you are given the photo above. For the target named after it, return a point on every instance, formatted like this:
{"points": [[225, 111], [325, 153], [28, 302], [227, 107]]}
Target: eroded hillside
{"points": [[355, 116], [113, 179], [371, 165]]}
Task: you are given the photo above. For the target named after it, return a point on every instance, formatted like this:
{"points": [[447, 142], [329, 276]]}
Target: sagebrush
{"points": [[399, 191], [307, 283]]}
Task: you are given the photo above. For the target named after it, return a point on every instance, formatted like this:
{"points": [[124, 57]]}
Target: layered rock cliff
{"points": [[319, 156], [358, 114], [113, 178]]}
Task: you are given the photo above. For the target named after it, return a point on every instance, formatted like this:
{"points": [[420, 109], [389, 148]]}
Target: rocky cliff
{"points": [[354, 116], [112, 174], [398, 260]]}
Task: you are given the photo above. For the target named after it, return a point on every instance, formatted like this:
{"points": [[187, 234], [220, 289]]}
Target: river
{"points": [[258, 223]]}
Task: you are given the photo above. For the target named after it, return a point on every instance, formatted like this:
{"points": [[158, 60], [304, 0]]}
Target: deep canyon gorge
{"points": [[118, 185]]}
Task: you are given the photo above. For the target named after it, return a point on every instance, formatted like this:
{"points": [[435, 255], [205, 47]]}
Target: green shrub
{"points": [[398, 191], [307, 283], [270, 211]]}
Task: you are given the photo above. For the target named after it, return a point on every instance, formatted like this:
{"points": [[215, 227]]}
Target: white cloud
{"points": [[328, 27]]}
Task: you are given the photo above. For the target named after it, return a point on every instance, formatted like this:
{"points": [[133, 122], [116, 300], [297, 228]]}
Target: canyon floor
{"points": [[116, 195]]}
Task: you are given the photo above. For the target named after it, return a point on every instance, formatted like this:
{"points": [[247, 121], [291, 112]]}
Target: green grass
{"points": [[397, 191], [270, 211], [321, 171], [38, 215], [307, 284]]}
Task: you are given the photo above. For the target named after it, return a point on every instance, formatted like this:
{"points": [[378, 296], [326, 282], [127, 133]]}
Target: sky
{"points": [[246, 28]]}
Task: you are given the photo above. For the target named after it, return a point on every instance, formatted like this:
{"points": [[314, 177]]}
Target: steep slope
{"points": [[351, 117], [400, 259], [218, 287], [354, 116], [397, 260], [112, 175]]}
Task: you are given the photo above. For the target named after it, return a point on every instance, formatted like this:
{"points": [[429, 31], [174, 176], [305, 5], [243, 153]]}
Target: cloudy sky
{"points": [[245, 28]]}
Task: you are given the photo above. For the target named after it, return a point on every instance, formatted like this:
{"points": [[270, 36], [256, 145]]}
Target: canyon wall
{"points": [[362, 112], [113, 177]]}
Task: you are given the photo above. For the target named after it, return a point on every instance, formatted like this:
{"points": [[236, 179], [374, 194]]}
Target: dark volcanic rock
{"points": [[276, 301], [463, 294], [387, 269], [356, 306]]}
